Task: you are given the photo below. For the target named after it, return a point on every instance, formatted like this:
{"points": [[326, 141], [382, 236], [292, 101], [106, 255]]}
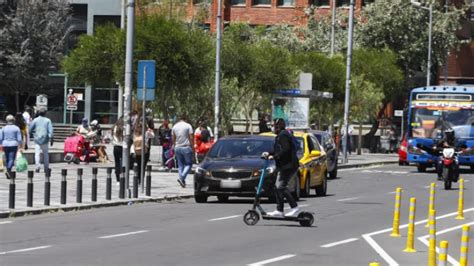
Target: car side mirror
{"points": [[315, 153]]}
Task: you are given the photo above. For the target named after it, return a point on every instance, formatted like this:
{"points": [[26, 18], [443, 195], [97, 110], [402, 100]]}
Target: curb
{"points": [[89, 206]]}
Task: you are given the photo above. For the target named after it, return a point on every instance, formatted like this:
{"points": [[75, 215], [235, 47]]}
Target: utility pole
{"points": [[333, 24], [128, 91], [446, 8], [428, 71], [218, 69], [120, 88], [348, 82]]}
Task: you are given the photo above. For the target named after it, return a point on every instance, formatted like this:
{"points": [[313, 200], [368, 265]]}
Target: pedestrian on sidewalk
{"points": [[183, 143], [284, 153], [164, 134], [10, 140], [20, 123], [43, 134], [117, 139], [84, 129], [137, 145]]}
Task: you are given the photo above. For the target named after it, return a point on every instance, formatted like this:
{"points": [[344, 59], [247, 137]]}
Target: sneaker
{"points": [[37, 170], [293, 211], [275, 213], [7, 173], [182, 183]]}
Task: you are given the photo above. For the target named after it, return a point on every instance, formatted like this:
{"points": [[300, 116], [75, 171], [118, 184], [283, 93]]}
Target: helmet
{"points": [[94, 123], [449, 133]]}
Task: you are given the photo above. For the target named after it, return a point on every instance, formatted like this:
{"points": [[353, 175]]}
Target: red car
{"points": [[402, 151]]}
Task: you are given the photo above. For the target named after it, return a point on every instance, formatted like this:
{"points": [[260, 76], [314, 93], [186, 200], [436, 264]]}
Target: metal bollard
{"points": [[461, 200], [443, 253], [122, 184], [47, 187], [108, 185], [94, 184], [410, 246], [432, 239], [148, 180], [29, 189], [431, 205], [63, 185], [135, 181], [11, 202], [396, 214], [79, 186], [463, 261]]}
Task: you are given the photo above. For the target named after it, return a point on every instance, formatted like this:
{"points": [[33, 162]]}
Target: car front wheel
{"points": [[305, 192], [200, 198]]}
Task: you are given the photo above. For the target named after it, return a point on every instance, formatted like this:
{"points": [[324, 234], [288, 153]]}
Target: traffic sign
{"points": [[71, 107], [42, 100], [72, 100], [146, 70], [399, 113]]}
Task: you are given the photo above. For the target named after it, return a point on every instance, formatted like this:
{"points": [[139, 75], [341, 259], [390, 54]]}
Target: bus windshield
{"points": [[431, 122]]}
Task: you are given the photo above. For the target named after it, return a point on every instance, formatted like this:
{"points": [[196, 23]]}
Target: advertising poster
{"points": [[294, 110]]}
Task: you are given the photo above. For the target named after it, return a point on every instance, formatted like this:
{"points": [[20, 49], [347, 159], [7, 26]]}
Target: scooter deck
{"points": [[285, 218]]}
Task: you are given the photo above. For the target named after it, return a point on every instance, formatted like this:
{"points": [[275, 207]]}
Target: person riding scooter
{"points": [[448, 141]]}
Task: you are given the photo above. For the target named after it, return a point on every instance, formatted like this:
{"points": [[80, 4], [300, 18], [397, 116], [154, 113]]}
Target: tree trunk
{"points": [[359, 144]]}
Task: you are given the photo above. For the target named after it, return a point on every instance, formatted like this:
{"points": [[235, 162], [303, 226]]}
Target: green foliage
{"points": [[96, 57], [404, 28], [365, 98], [31, 45]]}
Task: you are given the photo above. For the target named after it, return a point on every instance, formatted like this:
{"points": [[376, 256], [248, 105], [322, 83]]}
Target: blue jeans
{"points": [[10, 155], [184, 156]]}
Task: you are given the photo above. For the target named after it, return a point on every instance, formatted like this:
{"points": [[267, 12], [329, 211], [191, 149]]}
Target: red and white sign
{"points": [[71, 102]]}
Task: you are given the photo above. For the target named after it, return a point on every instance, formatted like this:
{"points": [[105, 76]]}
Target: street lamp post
{"points": [[218, 69], [430, 10], [65, 91]]}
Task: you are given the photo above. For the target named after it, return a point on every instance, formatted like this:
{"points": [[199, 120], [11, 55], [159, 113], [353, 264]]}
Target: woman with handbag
{"points": [[10, 139]]}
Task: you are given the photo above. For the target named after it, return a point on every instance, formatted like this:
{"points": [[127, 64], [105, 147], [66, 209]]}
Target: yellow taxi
{"points": [[313, 166]]}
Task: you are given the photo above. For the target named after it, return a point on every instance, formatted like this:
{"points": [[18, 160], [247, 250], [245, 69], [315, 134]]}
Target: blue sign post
{"points": [[146, 80]]}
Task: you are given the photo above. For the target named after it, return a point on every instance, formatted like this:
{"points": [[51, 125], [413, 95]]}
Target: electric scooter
{"points": [[253, 216]]}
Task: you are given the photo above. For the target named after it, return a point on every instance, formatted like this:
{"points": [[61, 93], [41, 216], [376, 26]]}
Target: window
{"points": [[285, 3], [321, 3], [262, 2], [343, 2], [238, 2]]}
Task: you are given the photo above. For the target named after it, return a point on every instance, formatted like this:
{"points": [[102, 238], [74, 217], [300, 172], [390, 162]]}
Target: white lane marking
{"points": [[393, 192], [467, 180], [426, 186], [348, 199], [6, 222], [124, 234], [24, 250], [224, 218], [382, 252], [339, 242], [263, 262], [424, 240]]}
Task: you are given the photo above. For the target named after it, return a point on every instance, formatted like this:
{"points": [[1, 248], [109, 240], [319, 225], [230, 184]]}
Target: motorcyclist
{"points": [[448, 141]]}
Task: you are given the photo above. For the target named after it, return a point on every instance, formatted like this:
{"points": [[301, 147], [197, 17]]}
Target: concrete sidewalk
{"points": [[164, 185]]}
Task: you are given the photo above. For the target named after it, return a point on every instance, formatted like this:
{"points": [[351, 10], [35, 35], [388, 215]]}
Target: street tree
{"points": [[365, 102], [32, 45], [403, 28]]}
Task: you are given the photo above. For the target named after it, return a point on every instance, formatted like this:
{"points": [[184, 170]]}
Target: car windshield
{"points": [[428, 123], [318, 136], [234, 148]]}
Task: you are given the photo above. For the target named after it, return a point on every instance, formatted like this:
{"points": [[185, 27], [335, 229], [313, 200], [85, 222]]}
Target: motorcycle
{"points": [[449, 167]]}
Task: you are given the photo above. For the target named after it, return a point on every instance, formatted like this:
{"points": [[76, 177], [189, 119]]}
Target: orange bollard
{"points": [[410, 246], [396, 214]]}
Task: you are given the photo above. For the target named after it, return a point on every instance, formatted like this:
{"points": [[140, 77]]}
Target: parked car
{"points": [[313, 166], [232, 167], [329, 146], [402, 151]]}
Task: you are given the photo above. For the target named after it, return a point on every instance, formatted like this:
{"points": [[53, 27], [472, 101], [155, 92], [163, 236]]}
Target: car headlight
{"points": [[202, 171]]}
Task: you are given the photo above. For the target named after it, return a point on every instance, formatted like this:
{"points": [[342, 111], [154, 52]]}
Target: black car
{"points": [[330, 148], [233, 167]]}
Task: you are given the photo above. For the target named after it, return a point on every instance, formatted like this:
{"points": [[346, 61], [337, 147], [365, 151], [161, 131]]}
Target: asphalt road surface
{"points": [[352, 227]]}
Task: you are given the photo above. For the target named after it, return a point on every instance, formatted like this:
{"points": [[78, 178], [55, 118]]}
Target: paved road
{"points": [[359, 207]]}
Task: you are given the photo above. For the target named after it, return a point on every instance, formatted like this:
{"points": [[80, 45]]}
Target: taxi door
{"points": [[317, 162]]}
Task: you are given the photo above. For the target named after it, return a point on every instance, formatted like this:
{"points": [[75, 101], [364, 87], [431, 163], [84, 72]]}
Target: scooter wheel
{"points": [[251, 217], [306, 219]]}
